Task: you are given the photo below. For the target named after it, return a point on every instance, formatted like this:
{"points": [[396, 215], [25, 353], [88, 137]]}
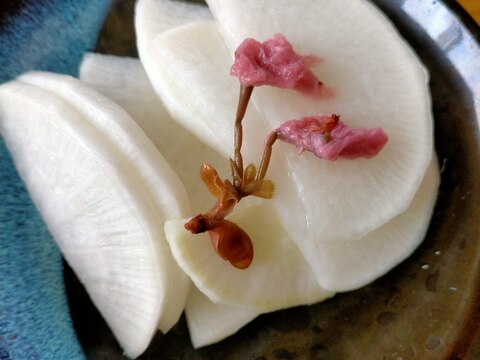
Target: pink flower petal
{"points": [[275, 63], [328, 138]]}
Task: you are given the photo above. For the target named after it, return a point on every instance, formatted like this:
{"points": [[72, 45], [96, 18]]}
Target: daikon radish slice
{"points": [[104, 192]]}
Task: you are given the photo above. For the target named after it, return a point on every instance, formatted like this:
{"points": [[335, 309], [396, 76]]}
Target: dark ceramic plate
{"points": [[426, 308]]}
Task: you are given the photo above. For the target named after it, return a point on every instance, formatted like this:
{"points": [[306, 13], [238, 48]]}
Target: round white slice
{"points": [[209, 323], [278, 277], [124, 81], [153, 17], [377, 82], [104, 192], [189, 80]]}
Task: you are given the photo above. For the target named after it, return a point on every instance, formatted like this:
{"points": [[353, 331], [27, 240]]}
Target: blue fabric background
{"points": [[35, 322]]}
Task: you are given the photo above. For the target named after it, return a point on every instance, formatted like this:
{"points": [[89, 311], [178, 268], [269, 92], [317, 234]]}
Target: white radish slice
{"points": [[146, 16], [104, 192], [353, 264], [156, 16], [188, 78], [278, 277], [170, 52], [209, 323], [124, 81], [377, 82]]}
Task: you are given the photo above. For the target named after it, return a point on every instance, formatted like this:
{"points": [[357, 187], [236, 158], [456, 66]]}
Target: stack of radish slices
{"points": [[112, 162]]}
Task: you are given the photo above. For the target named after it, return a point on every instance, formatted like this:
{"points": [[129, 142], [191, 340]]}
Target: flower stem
{"points": [[244, 98], [267, 153]]}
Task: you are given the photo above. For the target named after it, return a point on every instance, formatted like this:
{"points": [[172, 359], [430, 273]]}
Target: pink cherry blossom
{"points": [[275, 63], [329, 138]]}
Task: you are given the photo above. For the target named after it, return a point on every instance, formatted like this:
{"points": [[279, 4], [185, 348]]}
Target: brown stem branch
{"points": [[267, 153], [244, 98]]}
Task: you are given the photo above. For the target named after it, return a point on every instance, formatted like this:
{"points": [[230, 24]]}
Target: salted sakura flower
{"points": [[329, 138], [275, 63], [272, 63]]}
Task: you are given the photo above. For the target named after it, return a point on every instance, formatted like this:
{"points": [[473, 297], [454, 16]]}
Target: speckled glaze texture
{"points": [[426, 308]]}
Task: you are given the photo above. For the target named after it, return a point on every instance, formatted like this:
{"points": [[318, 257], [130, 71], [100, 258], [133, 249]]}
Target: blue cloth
{"points": [[35, 322]]}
